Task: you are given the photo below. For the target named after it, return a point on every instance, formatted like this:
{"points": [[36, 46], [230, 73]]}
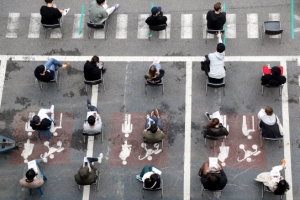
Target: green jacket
{"points": [[153, 137], [84, 177], [96, 12]]}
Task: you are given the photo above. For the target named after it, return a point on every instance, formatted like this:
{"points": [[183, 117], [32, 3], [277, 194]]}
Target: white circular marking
{"points": [[223, 164], [26, 161], [254, 146], [248, 159], [51, 156], [124, 162], [126, 135], [149, 158], [55, 134], [242, 146], [29, 133], [249, 137], [143, 145], [46, 143], [59, 143]]}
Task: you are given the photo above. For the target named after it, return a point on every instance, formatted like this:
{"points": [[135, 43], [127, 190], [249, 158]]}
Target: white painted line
{"points": [[186, 26], [143, 28], [209, 36], [230, 25], [297, 17], [252, 25], [299, 80], [13, 25], [187, 132], [76, 26], [2, 77], [162, 33], [122, 22], [274, 17], [35, 25], [90, 142], [286, 136]]}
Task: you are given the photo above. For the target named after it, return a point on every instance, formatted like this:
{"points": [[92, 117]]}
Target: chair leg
{"points": [[78, 187], [262, 35], [262, 90], [206, 37], [224, 90], [262, 191], [90, 31], [106, 24], [162, 89], [103, 86], [62, 32], [261, 140], [40, 84], [202, 190], [205, 142], [86, 88], [45, 32], [166, 33], [102, 134], [280, 38], [280, 90], [146, 89], [206, 90]]}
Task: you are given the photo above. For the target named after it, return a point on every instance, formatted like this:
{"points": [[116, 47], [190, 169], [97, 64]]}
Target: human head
{"points": [[91, 120], [220, 47], [218, 6], [155, 11], [212, 179], [100, 1], [149, 182], [282, 187], [276, 71], [213, 122], [152, 72], [269, 110], [153, 128], [30, 174], [95, 59], [48, 1], [40, 69], [36, 119]]}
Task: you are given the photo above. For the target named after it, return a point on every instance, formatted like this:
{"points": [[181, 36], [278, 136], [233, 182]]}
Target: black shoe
{"points": [[44, 178], [104, 70], [88, 103], [207, 115]]}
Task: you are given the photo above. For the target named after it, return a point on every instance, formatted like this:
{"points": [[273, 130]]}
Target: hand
{"points": [[54, 5], [219, 34]]}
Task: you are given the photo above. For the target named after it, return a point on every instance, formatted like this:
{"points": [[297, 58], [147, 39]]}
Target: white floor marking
{"points": [[125, 153], [248, 153], [149, 152], [299, 80], [224, 150], [2, 77], [274, 17], [252, 25], [76, 26], [143, 28], [90, 142], [35, 25], [51, 151], [99, 34], [286, 136], [187, 131], [127, 126], [245, 129], [13, 25], [231, 26], [28, 148], [122, 23], [209, 36], [186, 26], [162, 33]]}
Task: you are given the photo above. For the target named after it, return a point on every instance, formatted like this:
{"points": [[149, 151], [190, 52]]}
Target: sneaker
{"points": [[52, 109], [207, 116], [66, 11], [148, 116], [138, 177], [104, 70], [116, 6], [100, 158], [66, 66], [156, 113]]}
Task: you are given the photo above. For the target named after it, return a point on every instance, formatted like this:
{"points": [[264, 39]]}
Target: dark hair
{"points": [[276, 71], [91, 120], [152, 72], [95, 59], [149, 182], [269, 110], [30, 174], [282, 187], [40, 68], [217, 6], [212, 179], [153, 128], [220, 47], [100, 1], [48, 1], [213, 122]]}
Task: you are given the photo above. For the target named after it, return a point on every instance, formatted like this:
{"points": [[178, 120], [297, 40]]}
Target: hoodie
{"points": [[91, 71], [269, 120], [215, 21], [217, 70]]}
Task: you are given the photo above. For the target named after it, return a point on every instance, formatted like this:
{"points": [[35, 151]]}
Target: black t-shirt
{"points": [[217, 186], [45, 124], [215, 21], [155, 21], [273, 80], [91, 71], [50, 15], [49, 75]]}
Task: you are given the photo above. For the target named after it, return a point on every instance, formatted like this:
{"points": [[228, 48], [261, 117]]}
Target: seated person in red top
{"points": [[51, 14], [216, 18], [273, 77], [156, 18], [92, 69], [214, 127]]}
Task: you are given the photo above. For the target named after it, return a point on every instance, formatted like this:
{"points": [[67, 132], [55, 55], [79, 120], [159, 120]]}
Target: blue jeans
{"points": [[158, 66], [52, 63], [92, 108], [145, 170], [154, 119]]}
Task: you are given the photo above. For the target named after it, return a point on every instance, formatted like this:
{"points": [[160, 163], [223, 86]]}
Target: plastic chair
{"points": [[279, 140], [203, 189], [271, 28], [92, 26], [266, 189], [158, 28], [215, 83], [55, 80], [155, 84], [212, 32], [51, 27], [47, 132], [280, 87], [96, 183], [95, 82], [161, 188]]}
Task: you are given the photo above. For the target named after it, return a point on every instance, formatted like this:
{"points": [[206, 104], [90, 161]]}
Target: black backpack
{"points": [[205, 64]]}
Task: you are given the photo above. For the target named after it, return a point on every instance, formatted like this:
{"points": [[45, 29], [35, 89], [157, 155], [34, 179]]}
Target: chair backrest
{"points": [[51, 26], [215, 31], [273, 86], [216, 137], [96, 26], [274, 139], [272, 27], [158, 28], [215, 83], [154, 189], [152, 142], [95, 82], [155, 84], [271, 32]]}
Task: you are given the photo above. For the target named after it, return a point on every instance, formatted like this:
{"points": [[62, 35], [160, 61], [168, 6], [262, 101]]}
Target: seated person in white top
{"points": [[268, 123], [217, 66], [267, 116], [93, 124]]}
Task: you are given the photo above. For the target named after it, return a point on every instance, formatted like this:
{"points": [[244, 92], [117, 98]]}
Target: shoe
{"points": [[148, 116], [116, 6], [66, 66], [138, 177], [104, 70], [52, 109], [207, 116], [156, 113], [100, 158], [66, 11], [88, 102]]}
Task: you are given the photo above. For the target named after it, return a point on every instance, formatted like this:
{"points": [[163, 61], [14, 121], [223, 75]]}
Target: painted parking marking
{"points": [[162, 33], [76, 27], [274, 17], [13, 25], [230, 25], [186, 26], [143, 28], [252, 25], [35, 25], [209, 36], [122, 23]]}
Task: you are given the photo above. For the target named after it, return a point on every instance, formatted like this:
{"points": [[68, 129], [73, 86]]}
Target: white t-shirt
{"points": [[269, 120]]}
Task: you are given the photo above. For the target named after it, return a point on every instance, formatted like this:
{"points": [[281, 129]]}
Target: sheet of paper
{"points": [[32, 164], [213, 162], [155, 170]]}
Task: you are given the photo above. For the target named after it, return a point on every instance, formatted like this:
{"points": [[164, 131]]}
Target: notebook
{"points": [[32, 164], [155, 170], [213, 162]]}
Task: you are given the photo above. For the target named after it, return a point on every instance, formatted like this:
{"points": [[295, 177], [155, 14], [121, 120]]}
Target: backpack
{"points": [[205, 64]]}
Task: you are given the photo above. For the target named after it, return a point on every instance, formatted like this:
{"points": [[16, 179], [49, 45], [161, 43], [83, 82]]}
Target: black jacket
{"points": [[155, 21], [217, 186], [49, 75], [215, 21], [272, 80], [45, 124], [91, 71], [212, 131], [84, 177], [270, 131], [50, 15]]}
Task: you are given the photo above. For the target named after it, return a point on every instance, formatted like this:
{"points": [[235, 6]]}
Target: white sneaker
{"points": [[116, 6], [66, 11], [100, 158], [52, 109]]}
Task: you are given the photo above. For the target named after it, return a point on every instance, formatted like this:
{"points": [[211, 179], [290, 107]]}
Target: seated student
{"points": [[92, 69], [273, 77], [87, 173], [51, 14], [156, 18], [93, 124], [153, 126], [268, 123], [150, 178], [214, 127], [273, 179], [37, 124], [46, 72], [212, 178], [99, 11], [33, 179], [155, 73], [216, 18]]}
